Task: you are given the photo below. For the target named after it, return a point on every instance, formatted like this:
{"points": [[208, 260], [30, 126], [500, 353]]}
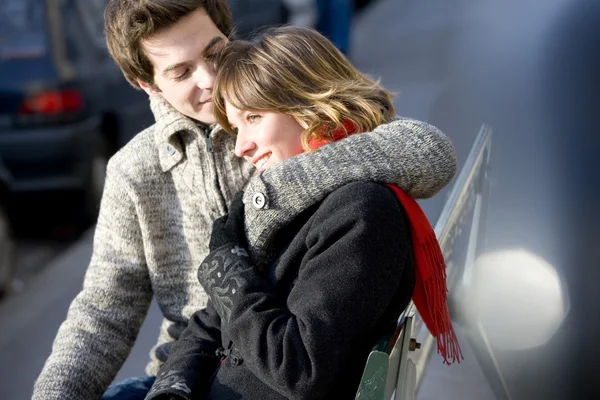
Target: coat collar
{"points": [[169, 123]]}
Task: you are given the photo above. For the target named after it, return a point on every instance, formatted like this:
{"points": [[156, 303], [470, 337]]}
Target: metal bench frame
{"points": [[395, 366]]}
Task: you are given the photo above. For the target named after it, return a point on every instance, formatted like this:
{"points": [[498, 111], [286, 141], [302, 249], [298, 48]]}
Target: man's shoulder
{"points": [[138, 156], [359, 203], [361, 194]]}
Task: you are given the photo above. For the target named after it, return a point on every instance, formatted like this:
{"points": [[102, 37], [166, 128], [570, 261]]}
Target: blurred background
{"points": [[526, 316]]}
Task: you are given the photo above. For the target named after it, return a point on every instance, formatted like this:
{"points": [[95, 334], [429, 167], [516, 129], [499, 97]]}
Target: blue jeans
{"points": [[130, 389]]}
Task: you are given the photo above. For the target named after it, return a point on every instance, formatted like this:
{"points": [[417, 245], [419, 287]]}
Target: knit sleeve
{"points": [[413, 155], [105, 317]]}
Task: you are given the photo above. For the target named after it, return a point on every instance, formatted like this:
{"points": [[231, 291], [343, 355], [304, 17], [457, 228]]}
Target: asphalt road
{"points": [[457, 65]]}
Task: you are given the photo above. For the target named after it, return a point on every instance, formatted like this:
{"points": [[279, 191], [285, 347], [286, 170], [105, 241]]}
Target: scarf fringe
{"points": [[437, 307], [431, 293]]}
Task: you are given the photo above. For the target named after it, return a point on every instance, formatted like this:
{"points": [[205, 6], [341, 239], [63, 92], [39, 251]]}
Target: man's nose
{"points": [[244, 146], [204, 76]]}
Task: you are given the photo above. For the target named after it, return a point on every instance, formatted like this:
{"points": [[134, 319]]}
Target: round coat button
{"points": [[170, 149], [259, 201], [235, 361]]}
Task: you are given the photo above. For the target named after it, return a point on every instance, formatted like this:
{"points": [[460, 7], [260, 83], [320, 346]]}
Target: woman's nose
{"points": [[244, 146]]}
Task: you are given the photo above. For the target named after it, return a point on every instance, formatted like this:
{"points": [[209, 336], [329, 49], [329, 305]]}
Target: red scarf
{"points": [[430, 293]]}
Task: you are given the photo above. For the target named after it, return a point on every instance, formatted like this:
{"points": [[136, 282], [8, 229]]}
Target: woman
{"points": [[303, 325]]}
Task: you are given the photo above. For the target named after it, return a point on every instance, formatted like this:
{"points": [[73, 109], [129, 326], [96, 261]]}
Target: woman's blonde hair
{"points": [[297, 71]]}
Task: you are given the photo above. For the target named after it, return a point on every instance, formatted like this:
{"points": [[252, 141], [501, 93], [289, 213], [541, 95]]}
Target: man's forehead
{"points": [[155, 49], [183, 41], [194, 29], [165, 54]]}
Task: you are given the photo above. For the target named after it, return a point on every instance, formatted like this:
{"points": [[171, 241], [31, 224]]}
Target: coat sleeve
{"points": [[413, 155], [105, 317], [192, 359], [358, 243]]}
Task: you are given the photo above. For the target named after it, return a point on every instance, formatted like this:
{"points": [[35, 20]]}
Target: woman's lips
{"points": [[260, 163]]}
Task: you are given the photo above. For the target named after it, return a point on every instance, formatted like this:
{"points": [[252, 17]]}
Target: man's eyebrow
{"points": [[213, 42]]}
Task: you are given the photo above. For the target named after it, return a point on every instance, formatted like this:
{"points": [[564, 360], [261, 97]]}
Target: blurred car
{"points": [[6, 238], [65, 107]]}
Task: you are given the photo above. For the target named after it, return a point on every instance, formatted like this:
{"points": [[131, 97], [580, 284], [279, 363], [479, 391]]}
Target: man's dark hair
{"points": [[127, 23]]}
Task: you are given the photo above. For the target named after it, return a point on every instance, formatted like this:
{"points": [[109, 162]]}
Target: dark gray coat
{"points": [[304, 328]]}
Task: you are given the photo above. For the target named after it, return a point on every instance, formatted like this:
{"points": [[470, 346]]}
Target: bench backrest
{"points": [[392, 371], [389, 372]]}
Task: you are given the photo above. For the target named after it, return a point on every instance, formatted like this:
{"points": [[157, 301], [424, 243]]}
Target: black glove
{"points": [[174, 330], [229, 229], [219, 272]]}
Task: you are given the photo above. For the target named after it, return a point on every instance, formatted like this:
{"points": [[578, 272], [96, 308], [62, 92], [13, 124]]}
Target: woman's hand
{"points": [[219, 273], [229, 229]]}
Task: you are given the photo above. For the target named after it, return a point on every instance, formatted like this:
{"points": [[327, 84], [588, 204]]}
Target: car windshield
{"points": [[22, 29]]}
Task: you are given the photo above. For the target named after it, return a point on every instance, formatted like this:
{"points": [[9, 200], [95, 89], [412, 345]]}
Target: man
{"points": [[164, 189]]}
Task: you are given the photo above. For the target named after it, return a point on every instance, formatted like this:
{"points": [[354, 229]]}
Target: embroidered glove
{"points": [[193, 360], [225, 274], [171, 385], [219, 273], [230, 228]]}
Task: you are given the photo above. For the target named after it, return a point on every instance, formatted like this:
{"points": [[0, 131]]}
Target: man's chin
{"points": [[205, 118], [205, 115]]}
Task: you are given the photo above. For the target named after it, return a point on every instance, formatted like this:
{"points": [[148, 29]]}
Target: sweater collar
{"points": [[169, 124]]}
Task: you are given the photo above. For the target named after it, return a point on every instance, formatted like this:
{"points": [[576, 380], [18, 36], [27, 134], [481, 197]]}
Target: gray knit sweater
{"points": [[162, 192]]}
